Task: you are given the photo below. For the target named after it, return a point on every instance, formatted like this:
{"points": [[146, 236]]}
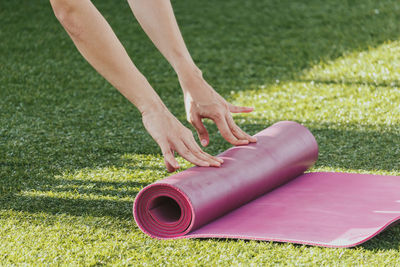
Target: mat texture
{"points": [[261, 192]]}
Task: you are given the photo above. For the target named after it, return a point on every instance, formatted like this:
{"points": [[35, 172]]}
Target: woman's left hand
{"points": [[202, 101]]}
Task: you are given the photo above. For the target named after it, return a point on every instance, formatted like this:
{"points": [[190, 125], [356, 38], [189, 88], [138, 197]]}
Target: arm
{"points": [[98, 44], [201, 101]]}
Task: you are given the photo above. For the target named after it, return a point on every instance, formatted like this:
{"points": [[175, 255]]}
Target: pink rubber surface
{"points": [[261, 193]]}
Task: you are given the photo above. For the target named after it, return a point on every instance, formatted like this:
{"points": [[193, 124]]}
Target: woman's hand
{"points": [[202, 101], [171, 135]]}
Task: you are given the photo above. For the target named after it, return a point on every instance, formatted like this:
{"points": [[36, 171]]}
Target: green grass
{"points": [[73, 151]]}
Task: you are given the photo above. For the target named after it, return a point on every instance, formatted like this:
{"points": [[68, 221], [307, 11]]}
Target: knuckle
{"points": [[226, 105], [225, 132], [232, 139], [231, 120], [238, 132], [197, 153], [185, 151], [188, 134], [200, 128], [167, 153], [198, 161], [219, 115], [235, 130], [161, 144]]}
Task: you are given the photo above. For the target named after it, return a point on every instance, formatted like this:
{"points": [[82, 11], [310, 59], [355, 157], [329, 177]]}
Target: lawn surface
{"points": [[74, 153]]}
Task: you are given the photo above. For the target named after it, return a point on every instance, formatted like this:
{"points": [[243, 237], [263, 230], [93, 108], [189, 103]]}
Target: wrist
{"points": [[151, 105], [155, 108], [192, 81], [187, 71]]}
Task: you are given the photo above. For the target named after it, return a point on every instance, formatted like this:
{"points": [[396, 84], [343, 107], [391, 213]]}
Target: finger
{"points": [[226, 132], [201, 131], [194, 147], [238, 132], [170, 162], [220, 160], [238, 109], [187, 154], [169, 167], [214, 161], [169, 159]]}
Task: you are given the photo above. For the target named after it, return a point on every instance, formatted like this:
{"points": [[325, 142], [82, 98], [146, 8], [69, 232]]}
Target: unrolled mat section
{"points": [[261, 192]]}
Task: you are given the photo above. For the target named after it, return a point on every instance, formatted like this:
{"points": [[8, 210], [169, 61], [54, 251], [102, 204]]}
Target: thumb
{"points": [[201, 131], [238, 109]]}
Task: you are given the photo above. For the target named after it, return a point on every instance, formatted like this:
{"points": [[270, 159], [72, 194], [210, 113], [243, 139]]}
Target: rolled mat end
{"points": [[162, 211]]}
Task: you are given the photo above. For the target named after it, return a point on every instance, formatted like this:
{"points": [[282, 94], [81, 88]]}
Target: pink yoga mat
{"points": [[261, 192]]}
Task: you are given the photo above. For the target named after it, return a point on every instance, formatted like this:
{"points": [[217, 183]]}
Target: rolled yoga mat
{"points": [[261, 192]]}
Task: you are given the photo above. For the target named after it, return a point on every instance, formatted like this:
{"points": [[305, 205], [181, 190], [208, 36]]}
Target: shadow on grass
{"points": [[98, 188], [54, 193], [258, 42], [76, 197], [76, 206], [366, 150]]}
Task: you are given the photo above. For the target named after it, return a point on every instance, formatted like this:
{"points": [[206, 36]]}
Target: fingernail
{"points": [[204, 142], [220, 160]]}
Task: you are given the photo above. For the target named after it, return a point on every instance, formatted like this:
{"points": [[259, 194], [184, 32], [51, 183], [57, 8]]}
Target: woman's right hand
{"points": [[171, 135]]}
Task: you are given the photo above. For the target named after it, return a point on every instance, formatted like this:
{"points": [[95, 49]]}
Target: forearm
{"points": [[158, 21], [98, 44]]}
